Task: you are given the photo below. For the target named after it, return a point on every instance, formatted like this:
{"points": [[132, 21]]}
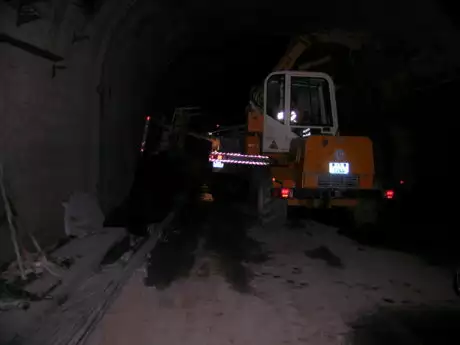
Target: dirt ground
{"points": [[303, 284]]}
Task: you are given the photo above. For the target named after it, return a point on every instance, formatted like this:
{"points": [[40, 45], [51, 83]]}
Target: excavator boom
{"points": [[296, 49]]}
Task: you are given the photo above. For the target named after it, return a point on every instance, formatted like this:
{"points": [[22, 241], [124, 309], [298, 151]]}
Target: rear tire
{"points": [[271, 212], [456, 282], [365, 214]]}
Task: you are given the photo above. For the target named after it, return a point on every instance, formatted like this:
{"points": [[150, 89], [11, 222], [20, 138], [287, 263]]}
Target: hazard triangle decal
{"points": [[273, 145]]}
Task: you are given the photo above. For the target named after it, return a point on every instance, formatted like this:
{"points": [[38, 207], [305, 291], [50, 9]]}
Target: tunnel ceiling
{"points": [[416, 24], [194, 51], [239, 43]]}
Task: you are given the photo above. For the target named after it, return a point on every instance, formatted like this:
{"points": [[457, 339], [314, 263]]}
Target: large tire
{"points": [[456, 281], [271, 212], [365, 214]]}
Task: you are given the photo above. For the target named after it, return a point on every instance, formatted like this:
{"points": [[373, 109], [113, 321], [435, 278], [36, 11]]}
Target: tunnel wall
{"points": [[49, 126], [138, 55], [45, 139], [120, 135], [79, 130]]}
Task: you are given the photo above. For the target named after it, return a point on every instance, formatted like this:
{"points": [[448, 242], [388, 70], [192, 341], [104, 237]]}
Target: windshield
{"points": [[275, 97], [310, 105], [310, 101]]}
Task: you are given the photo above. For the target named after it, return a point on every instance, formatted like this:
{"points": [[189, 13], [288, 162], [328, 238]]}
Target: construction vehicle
{"points": [[292, 138]]}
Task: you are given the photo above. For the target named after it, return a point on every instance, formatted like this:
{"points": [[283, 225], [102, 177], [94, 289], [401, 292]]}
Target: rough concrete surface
{"points": [[86, 253], [300, 295], [51, 124]]}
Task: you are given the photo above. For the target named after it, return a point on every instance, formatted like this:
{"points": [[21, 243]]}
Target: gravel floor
{"points": [[304, 285]]}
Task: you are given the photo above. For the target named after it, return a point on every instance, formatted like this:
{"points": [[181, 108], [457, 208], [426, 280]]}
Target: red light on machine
{"points": [[148, 118], [389, 194], [401, 182], [285, 193]]}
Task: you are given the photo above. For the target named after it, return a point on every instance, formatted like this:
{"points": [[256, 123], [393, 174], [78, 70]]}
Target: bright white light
{"points": [[217, 164], [280, 116], [339, 168], [306, 132]]}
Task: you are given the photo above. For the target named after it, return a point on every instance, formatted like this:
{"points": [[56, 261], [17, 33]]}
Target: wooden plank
{"points": [[88, 252], [77, 317], [30, 48]]}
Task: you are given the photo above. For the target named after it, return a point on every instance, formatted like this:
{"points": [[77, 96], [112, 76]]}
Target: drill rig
{"points": [[292, 129]]}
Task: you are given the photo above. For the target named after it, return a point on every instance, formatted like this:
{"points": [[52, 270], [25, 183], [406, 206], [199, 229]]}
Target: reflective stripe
{"points": [[231, 161]]}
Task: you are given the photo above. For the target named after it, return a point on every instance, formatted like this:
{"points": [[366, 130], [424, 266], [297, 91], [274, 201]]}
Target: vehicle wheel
{"points": [[272, 212], [365, 214], [457, 281]]}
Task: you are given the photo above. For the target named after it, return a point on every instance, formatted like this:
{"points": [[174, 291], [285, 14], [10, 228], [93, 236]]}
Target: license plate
{"points": [[339, 168], [217, 164]]}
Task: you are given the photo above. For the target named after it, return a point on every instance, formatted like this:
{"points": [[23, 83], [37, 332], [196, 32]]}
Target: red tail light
{"points": [[389, 194], [285, 193]]}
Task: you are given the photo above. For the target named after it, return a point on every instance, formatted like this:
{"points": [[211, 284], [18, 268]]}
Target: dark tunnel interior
{"points": [[215, 75], [91, 94], [393, 81], [385, 89]]}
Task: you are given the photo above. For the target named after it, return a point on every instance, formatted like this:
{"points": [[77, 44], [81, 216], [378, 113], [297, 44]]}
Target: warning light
{"points": [[389, 194], [217, 164], [285, 192], [148, 118], [273, 179], [401, 182], [219, 157]]}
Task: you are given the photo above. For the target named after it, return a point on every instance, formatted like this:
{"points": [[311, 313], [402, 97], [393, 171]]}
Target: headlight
{"points": [[280, 116]]}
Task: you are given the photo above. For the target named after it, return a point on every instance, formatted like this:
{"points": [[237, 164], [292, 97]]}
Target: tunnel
{"points": [[78, 78]]}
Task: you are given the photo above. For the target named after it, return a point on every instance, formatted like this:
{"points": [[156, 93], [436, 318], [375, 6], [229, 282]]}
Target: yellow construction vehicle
{"points": [[295, 127]]}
